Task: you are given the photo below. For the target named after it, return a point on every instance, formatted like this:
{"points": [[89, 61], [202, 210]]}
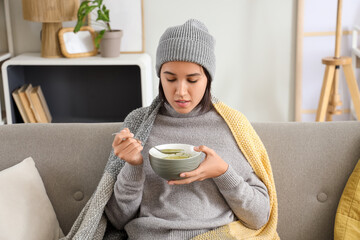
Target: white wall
{"points": [[255, 48]]}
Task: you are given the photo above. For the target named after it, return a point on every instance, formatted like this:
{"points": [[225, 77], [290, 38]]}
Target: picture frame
{"points": [[80, 44], [125, 15]]}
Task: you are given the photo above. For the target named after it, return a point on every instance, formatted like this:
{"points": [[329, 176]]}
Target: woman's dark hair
{"points": [[205, 102]]}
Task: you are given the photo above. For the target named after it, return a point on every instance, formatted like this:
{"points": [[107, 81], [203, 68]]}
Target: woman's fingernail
{"points": [[182, 175], [170, 183]]}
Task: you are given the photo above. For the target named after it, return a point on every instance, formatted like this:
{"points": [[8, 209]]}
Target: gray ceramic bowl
{"points": [[170, 169]]}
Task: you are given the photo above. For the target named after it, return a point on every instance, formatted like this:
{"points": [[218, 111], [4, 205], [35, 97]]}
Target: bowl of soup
{"points": [[173, 160]]}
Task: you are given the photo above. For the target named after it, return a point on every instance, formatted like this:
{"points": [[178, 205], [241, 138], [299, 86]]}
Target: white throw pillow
{"points": [[25, 209]]}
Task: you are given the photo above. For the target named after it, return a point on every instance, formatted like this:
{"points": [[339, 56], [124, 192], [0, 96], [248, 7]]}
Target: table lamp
{"points": [[51, 13]]}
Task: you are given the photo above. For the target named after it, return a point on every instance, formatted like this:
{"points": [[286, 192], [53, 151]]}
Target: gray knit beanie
{"points": [[190, 42]]}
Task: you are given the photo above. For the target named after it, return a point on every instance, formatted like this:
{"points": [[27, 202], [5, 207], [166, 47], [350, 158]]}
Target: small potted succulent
{"points": [[107, 39]]}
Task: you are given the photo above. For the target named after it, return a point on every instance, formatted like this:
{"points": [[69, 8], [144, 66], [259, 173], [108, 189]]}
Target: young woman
{"points": [[224, 190]]}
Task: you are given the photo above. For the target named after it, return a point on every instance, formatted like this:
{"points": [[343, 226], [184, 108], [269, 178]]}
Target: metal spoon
{"points": [[165, 151]]}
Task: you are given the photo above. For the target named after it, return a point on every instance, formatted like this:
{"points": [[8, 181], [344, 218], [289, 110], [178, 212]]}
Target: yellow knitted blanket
{"points": [[255, 152]]}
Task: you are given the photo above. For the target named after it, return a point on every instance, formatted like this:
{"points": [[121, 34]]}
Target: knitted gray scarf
{"points": [[91, 224]]}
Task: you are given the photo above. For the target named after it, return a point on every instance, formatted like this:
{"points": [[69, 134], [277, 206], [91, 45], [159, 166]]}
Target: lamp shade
{"points": [[50, 10]]}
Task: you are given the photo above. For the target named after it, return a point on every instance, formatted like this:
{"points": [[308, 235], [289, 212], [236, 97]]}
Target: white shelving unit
{"points": [[355, 54], [5, 55], [95, 82], [10, 51]]}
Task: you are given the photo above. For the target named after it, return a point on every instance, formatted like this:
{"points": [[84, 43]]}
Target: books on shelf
{"points": [[26, 103], [19, 103], [40, 106], [32, 104]]}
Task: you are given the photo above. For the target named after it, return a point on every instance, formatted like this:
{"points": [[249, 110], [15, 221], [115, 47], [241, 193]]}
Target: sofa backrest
{"points": [[70, 159], [311, 163]]}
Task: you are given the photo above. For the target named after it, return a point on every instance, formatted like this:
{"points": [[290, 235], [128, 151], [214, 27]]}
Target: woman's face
{"points": [[184, 85]]}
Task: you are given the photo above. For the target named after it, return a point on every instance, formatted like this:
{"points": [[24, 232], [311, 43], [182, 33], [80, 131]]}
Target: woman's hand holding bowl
{"points": [[128, 148], [212, 166]]}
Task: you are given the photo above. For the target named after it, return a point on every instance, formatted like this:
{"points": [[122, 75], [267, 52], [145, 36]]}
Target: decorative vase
{"points": [[110, 43]]}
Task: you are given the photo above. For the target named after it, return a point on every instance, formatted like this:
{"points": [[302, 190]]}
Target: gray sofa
{"points": [[311, 163]]}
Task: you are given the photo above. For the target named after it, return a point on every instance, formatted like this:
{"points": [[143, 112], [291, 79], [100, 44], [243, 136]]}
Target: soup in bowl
{"points": [[173, 160]]}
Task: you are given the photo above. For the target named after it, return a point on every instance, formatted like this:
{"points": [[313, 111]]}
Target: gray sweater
{"points": [[148, 208]]}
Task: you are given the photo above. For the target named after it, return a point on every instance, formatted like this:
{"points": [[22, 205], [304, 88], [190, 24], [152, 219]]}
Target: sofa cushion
{"points": [[347, 220], [25, 209]]}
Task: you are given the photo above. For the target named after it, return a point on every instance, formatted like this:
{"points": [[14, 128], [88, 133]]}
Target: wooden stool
{"points": [[333, 64]]}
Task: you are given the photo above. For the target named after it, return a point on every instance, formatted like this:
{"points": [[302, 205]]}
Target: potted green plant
{"points": [[107, 39]]}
